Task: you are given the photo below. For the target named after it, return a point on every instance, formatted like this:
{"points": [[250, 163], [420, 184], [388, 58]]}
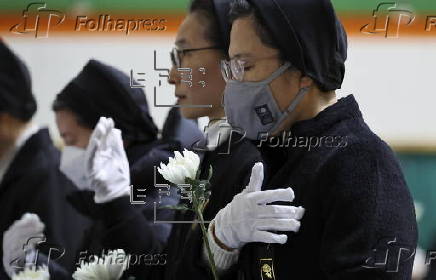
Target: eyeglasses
{"points": [[177, 54], [234, 69]]}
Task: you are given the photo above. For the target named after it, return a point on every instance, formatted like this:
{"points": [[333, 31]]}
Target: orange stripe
{"points": [[422, 26]]}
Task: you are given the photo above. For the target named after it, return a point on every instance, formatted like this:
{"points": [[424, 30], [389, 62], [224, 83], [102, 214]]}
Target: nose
{"points": [[173, 77]]}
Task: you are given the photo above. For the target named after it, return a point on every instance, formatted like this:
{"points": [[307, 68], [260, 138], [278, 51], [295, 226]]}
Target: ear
{"points": [[306, 81]]}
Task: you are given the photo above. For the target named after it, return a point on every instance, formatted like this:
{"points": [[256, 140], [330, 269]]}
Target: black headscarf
{"points": [[310, 36], [222, 9], [16, 96], [100, 90]]}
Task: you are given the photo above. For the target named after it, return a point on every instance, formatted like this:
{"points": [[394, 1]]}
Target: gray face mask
{"points": [[251, 107]]}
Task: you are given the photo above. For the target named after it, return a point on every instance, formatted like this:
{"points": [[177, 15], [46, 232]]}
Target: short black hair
{"points": [[242, 8], [213, 32]]}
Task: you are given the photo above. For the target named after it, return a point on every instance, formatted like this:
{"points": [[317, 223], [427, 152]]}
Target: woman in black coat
{"points": [[101, 90], [30, 180], [359, 220]]}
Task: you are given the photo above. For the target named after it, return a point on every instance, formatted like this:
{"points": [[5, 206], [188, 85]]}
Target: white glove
{"points": [[20, 237], [248, 219], [106, 163]]}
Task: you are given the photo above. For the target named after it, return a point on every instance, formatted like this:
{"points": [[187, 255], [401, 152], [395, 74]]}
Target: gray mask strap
{"points": [[301, 93], [277, 73]]}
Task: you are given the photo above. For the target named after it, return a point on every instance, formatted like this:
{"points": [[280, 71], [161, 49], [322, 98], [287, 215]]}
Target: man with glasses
{"points": [[286, 61]]}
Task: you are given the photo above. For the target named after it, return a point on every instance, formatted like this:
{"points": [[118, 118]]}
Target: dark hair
{"points": [[242, 8], [213, 33], [61, 105]]}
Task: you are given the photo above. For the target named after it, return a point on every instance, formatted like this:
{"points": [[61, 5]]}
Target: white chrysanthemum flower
{"points": [[110, 267], [33, 273], [180, 167]]}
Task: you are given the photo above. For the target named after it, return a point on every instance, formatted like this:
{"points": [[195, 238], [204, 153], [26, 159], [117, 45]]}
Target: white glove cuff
{"points": [[223, 259]]}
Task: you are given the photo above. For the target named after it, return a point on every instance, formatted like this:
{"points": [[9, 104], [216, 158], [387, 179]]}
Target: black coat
{"points": [[231, 173], [33, 183], [356, 201], [121, 225]]}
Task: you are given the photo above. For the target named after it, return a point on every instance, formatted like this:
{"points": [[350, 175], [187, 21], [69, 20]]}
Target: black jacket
{"points": [[358, 206], [231, 173], [33, 183]]}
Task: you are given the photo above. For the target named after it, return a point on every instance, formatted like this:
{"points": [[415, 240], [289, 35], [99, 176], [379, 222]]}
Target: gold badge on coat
{"points": [[267, 269]]}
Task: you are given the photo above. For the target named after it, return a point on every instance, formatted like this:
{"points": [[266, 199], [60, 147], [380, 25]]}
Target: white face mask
{"points": [[73, 166]]}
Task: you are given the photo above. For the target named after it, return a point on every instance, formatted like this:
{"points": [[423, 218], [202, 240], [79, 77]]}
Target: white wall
{"points": [[393, 81], [395, 84]]}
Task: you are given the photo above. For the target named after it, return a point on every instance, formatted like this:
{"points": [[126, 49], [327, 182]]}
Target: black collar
{"points": [[344, 108]]}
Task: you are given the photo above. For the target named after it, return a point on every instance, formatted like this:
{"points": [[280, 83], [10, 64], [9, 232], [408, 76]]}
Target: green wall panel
{"points": [[420, 173], [355, 6]]}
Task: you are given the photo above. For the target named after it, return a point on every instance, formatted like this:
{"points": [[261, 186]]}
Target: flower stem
{"points": [[206, 243]]}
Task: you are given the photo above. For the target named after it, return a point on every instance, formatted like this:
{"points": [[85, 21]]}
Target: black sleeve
{"points": [[370, 228], [46, 197], [135, 228], [55, 270], [137, 231], [193, 265]]}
